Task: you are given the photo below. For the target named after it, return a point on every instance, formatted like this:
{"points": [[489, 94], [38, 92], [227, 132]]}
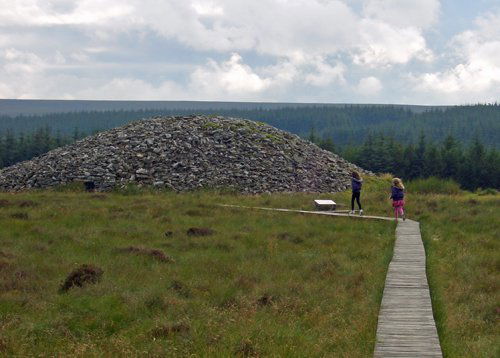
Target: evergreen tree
{"points": [[327, 144], [312, 135], [432, 162], [418, 170], [410, 168], [492, 176], [474, 168], [451, 156]]}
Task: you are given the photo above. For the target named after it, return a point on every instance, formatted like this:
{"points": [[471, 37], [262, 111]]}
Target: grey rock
{"points": [[185, 153], [141, 171]]}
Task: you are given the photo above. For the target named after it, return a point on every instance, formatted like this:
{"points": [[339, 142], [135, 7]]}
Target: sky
{"points": [[321, 51]]}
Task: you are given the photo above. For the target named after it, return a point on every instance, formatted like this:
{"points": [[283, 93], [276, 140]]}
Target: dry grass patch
{"points": [[165, 331]]}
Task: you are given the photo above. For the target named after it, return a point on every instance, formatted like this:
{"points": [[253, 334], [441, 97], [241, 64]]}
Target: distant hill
{"points": [[344, 124], [14, 107]]}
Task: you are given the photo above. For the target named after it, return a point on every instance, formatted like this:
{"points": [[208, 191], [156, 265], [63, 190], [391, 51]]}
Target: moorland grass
{"points": [[461, 234], [262, 283], [461, 237]]}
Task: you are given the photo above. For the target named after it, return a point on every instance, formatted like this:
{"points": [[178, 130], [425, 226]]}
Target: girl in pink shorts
{"points": [[397, 196]]}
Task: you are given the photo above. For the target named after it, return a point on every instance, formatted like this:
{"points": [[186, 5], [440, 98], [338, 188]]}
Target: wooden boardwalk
{"points": [[406, 326]]}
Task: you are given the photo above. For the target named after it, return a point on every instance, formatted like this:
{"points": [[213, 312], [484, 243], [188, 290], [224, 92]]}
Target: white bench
{"points": [[325, 204]]}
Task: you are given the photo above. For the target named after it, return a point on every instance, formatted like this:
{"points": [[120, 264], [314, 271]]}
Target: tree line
{"points": [[17, 147], [473, 166], [344, 125]]}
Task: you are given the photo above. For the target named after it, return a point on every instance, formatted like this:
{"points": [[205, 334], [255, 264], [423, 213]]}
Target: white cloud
{"points": [[325, 74], [267, 26], [204, 8], [476, 76], [236, 80], [230, 77], [403, 13], [58, 12], [270, 27], [383, 45], [369, 86]]}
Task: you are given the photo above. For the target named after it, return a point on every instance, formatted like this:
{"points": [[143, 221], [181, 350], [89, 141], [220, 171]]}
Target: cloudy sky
{"points": [[356, 51]]}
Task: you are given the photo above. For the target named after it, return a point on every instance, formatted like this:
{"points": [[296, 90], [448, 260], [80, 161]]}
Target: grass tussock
{"points": [[83, 275]]}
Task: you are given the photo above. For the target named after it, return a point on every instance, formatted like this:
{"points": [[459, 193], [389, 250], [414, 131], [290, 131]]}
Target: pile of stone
{"points": [[186, 153]]}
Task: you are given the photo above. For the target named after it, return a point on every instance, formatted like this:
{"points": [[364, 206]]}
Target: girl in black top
{"points": [[356, 184]]}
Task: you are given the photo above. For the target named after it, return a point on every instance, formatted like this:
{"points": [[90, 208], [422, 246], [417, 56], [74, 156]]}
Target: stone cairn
{"points": [[186, 153]]}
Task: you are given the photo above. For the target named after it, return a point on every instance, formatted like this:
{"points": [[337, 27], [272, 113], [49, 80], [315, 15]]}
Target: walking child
{"points": [[356, 184], [397, 196]]}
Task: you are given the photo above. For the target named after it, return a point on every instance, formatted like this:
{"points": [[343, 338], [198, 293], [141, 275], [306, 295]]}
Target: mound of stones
{"points": [[186, 153]]}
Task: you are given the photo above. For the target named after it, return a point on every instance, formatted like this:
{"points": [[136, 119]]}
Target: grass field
{"points": [[246, 283], [461, 234], [259, 284]]}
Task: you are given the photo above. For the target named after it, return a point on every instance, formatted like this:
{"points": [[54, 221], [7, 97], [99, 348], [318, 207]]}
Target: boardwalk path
{"points": [[406, 325]]}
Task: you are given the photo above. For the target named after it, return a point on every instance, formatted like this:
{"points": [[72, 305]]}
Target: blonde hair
{"points": [[398, 183], [356, 175]]}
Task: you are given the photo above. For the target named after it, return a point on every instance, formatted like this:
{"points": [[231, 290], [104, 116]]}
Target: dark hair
{"points": [[356, 175]]}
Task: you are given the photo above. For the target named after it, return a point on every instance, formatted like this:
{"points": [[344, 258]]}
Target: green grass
{"points": [[461, 235], [434, 185], [263, 284]]}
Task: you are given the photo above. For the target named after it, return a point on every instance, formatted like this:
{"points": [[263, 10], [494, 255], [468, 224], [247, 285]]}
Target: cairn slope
{"points": [[185, 153]]}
